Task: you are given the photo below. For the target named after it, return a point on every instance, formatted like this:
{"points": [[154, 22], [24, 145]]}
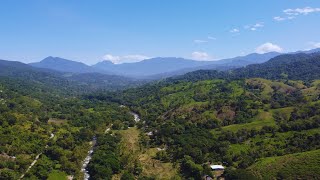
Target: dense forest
{"points": [[260, 122], [231, 122], [56, 126]]}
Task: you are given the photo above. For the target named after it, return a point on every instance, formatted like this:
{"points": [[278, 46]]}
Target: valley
{"points": [[159, 90], [174, 128]]}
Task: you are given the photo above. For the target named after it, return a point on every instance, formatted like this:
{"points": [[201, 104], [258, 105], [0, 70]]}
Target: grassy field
{"points": [[312, 92], [266, 141], [267, 87], [156, 168], [57, 175], [294, 166], [151, 167], [262, 119], [286, 110], [57, 121]]}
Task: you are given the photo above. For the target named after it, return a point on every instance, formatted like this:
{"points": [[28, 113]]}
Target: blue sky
{"points": [[131, 30]]}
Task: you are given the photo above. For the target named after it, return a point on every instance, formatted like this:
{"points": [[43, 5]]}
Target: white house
{"points": [[216, 167]]}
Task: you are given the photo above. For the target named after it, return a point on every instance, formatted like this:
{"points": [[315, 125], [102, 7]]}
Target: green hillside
{"points": [[229, 122], [255, 127], [293, 166]]}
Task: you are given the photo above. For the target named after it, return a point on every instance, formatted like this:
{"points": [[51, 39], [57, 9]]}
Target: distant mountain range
{"points": [[85, 82], [149, 67], [294, 66], [156, 68], [224, 64], [106, 75]]}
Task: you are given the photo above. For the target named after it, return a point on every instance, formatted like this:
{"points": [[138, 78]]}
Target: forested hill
{"points": [[289, 66], [19, 70], [235, 123], [17, 74], [67, 81], [233, 118]]}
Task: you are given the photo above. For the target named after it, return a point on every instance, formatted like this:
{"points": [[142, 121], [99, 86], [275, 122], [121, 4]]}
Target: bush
{"points": [[127, 176]]}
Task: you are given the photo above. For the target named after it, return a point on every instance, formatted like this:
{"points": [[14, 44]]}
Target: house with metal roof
{"points": [[216, 167]]}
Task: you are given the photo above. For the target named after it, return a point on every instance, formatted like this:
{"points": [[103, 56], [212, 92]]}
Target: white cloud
{"points": [[268, 47], [124, 59], [198, 41], [200, 56], [314, 44], [207, 40], [317, 45], [291, 17], [299, 11], [235, 30], [289, 14], [278, 18], [110, 57], [212, 38], [258, 25], [255, 26]]}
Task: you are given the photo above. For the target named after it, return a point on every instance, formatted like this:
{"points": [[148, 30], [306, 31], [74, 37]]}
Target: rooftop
{"points": [[213, 167]]}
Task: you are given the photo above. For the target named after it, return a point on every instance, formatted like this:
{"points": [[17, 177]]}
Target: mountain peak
{"points": [[57, 59], [63, 65]]}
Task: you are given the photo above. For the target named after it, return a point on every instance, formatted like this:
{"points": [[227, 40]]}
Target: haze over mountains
{"points": [[295, 66], [86, 81], [108, 76], [155, 68]]}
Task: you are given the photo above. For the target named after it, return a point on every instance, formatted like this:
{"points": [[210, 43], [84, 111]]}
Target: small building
{"points": [[217, 167], [218, 171]]}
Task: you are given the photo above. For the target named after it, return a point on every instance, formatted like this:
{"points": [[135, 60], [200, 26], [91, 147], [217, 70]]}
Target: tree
{"points": [[117, 125], [191, 169], [7, 174], [162, 156], [239, 174], [127, 176]]}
